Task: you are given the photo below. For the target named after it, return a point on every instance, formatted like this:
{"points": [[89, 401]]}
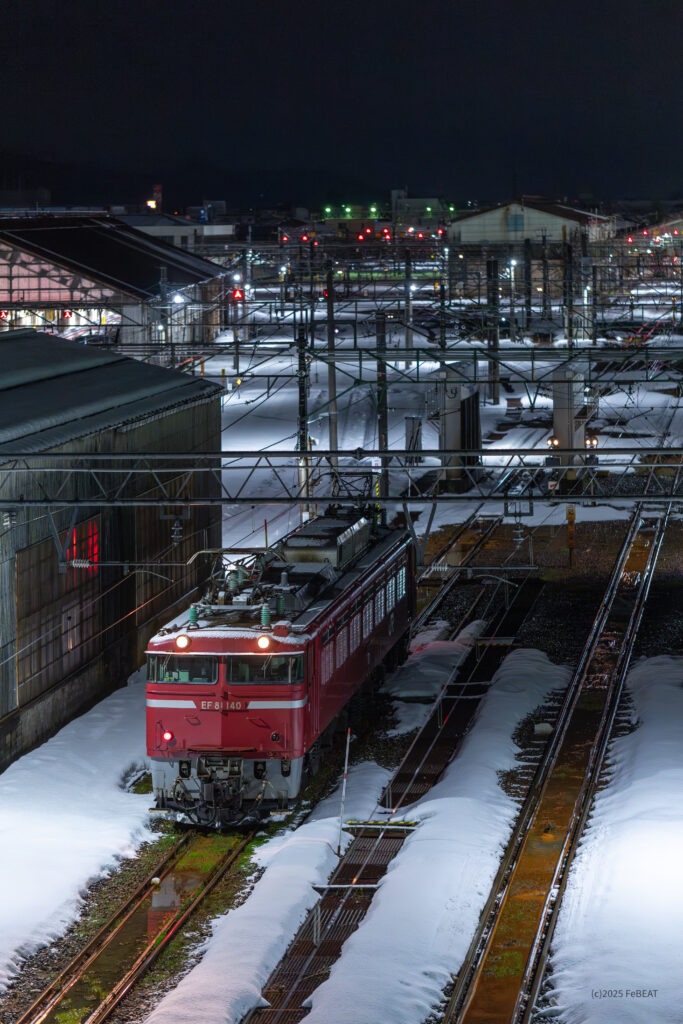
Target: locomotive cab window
{"points": [[181, 668], [265, 668]]}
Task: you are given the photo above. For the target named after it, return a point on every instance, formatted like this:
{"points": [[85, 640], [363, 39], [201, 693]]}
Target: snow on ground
{"points": [[421, 921], [247, 943], [262, 422], [430, 663], [66, 819], [418, 681], [619, 929]]}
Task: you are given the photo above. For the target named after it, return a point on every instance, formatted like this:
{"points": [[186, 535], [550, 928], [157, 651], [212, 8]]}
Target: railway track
{"points": [[346, 899], [502, 973], [94, 983]]}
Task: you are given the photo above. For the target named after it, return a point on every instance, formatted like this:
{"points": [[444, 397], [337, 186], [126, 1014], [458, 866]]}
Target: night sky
{"points": [[260, 102]]}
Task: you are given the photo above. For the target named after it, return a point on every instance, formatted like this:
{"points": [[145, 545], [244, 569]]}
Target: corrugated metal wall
{"points": [[54, 628]]}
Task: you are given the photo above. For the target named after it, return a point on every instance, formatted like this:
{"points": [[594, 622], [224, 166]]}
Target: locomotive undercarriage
{"points": [[223, 791]]}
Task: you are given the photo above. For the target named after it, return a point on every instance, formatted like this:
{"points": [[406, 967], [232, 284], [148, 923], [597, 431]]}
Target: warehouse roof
{"points": [[107, 251], [53, 391]]}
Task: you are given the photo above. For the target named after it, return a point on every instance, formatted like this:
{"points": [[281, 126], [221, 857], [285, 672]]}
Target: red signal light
{"points": [[3, 314], [167, 736], [420, 235], [67, 314], [629, 240], [644, 232], [304, 238], [285, 238], [368, 231], [237, 295], [315, 243], [439, 231], [361, 238], [675, 231]]}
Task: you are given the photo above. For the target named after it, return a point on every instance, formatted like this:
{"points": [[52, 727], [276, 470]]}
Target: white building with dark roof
{"points": [[516, 221]]}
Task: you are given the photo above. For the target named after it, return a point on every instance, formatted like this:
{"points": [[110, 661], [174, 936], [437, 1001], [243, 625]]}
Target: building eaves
{"points": [[108, 252], [50, 394]]}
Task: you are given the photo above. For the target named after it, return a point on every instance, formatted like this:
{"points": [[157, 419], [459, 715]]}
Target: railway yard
{"points": [[488, 829]]}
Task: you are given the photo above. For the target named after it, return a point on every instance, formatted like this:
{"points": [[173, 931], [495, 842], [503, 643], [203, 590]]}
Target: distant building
{"points": [[71, 634], [515, 221], [407, 211], [164, 227]]}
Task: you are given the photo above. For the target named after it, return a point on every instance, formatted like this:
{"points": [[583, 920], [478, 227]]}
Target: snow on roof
{"points": [[53, 390]]}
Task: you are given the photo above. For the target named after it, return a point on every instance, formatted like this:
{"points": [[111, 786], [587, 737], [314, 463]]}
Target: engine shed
{"points": [[70, 634]]}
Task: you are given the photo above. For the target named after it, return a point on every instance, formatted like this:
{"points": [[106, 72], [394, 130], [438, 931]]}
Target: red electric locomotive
{"points": [[245, 689]]}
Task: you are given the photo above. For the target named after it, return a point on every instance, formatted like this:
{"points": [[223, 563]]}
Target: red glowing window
{"points": [[84, 545]]}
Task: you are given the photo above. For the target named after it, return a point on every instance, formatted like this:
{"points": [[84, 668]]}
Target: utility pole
{"points": [[331, 368], [527, 281], [164, 310], [302, 426], [594, 306], [493, 327], [408, 295], [442, 313], [568, 282], [546, 282], [311, 292], [382, 413]]}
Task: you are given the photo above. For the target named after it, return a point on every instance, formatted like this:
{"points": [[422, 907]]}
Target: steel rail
{"points": [[448, 584], [162, 939], [474, 959], [70, 974], [461, 529], [535, 970], [283, 1009]]}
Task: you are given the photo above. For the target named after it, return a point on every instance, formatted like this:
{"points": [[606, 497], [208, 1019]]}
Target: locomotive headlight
{"points": [[167, 736], [263, 642], [182, 642]]}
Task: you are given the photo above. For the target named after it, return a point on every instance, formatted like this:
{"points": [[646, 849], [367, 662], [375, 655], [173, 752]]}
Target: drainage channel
{"points": [[346, 899]]}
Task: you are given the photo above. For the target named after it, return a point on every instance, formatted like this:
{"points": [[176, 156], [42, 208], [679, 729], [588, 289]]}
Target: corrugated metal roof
{"points": [[107, 251], [53, 391]]}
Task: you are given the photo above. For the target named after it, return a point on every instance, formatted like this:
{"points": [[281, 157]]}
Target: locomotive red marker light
{"points": [[167, 736], [263, 642], [182, 642]]}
